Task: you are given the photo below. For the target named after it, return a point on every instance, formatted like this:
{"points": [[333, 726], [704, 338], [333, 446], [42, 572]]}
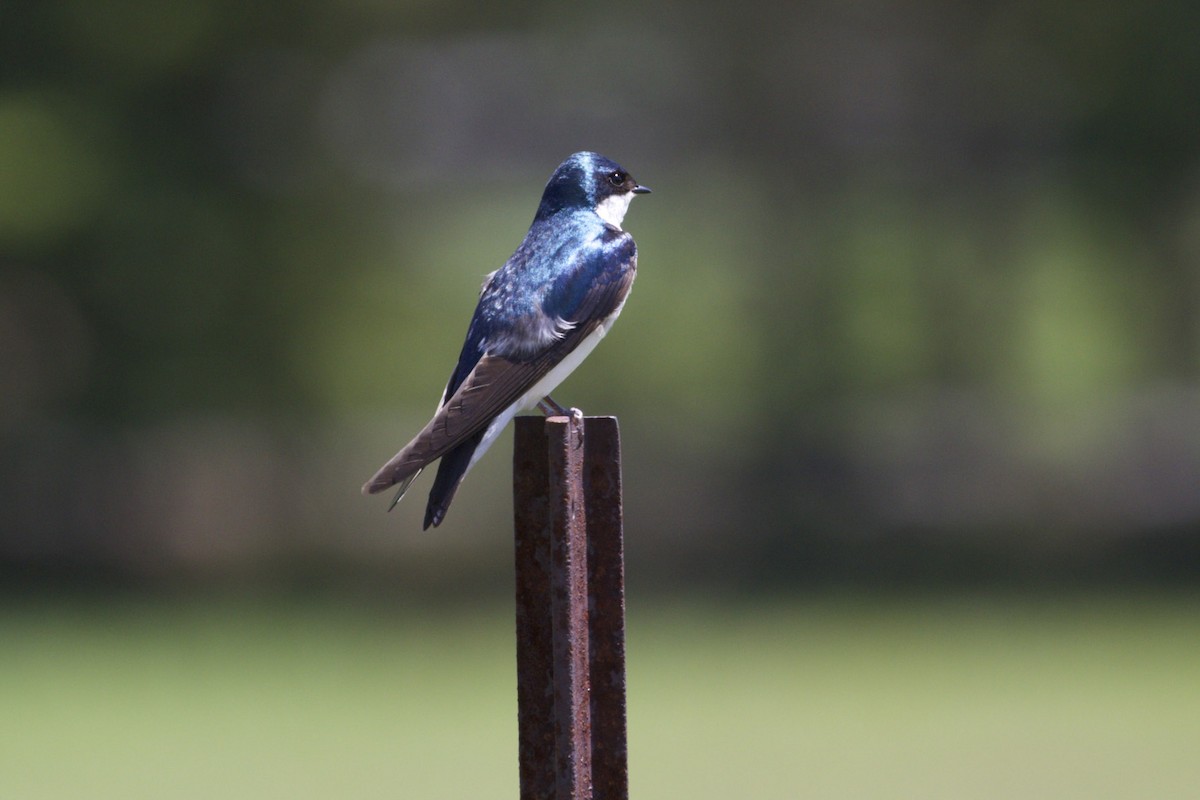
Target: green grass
{"points": [[956, 698]]}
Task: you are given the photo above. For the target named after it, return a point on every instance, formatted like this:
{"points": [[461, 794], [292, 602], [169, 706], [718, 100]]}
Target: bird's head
{"points": [[590, 181]]}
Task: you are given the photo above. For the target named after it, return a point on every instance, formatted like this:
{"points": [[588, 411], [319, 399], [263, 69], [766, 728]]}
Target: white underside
{"points": [[545, 386]]}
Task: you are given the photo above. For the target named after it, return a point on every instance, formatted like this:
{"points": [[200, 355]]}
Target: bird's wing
{"points": [[497, 381]]}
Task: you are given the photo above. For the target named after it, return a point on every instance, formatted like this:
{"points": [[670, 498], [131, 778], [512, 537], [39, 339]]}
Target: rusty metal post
{"points": [[535, 648], [606, 589], [570, 609]]}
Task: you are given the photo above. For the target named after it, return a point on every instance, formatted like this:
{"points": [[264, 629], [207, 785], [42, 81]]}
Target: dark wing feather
{"points": [[493, 385]]}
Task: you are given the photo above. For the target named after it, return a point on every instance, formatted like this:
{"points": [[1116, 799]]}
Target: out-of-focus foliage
{"points": [[980, 698], [917, 293]]}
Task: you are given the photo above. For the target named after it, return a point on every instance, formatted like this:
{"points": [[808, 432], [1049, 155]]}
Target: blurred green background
{"points": [[907, 386]]}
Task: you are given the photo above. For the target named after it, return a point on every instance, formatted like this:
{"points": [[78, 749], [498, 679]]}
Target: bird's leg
{"points": [[550, 408]]}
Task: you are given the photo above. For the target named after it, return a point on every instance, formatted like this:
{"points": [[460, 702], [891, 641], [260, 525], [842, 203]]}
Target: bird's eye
{"points": [[616, 178]]}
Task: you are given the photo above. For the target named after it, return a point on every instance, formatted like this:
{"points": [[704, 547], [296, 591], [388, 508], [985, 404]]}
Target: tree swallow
{"points": [[537, 318]]}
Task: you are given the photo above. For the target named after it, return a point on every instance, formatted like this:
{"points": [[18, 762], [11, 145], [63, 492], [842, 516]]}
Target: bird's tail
{"points": [[451, 470], [406, 465]]}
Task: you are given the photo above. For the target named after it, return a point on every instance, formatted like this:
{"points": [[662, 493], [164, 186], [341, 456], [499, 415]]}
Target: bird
{"points": [[537, 318]]}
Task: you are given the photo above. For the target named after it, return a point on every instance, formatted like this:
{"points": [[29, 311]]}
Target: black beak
{"points": [[641, 190]]}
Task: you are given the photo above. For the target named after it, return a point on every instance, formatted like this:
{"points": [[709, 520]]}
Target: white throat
{"points": [[612, 208]]}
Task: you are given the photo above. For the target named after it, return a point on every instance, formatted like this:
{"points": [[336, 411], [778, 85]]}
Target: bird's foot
{"points": [[550, 408]]}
